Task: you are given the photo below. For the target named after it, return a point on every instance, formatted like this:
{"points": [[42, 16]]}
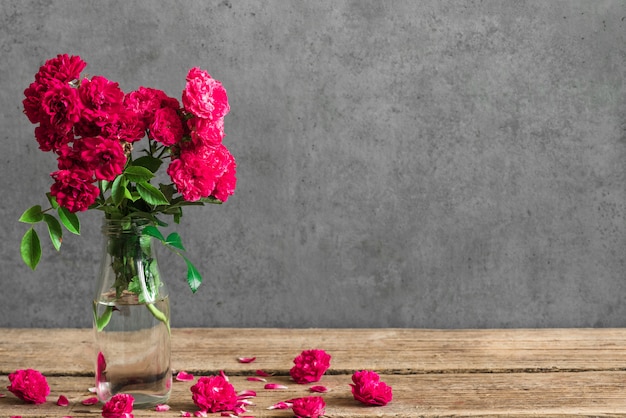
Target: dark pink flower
{"points": [[104, 156], [369, 389], [214, 394], [99, 96], [74, 190], [62, 67], [119, 406], [145, 101], [29, 385], [50, 139], [309, 366], [166, 127], [308, 407], [61, 107], [206, 131], [127, 127], [227, 182], [204, 96]]}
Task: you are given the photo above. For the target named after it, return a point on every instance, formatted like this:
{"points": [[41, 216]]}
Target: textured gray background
{"points": [[401, 163]]}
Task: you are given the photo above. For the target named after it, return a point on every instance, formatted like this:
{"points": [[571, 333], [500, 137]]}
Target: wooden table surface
{"points": [[433, 373]]}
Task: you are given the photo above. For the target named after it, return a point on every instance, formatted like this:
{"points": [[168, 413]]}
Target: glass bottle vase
{"points": [[131, 318]]}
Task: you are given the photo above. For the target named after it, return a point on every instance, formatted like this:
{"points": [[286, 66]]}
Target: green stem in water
{"points": [[159, 315]]}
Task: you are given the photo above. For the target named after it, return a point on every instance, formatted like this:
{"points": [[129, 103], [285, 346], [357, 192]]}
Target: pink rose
{"points": [[104, 156], [205, 131], [214, 394], [62, 67], [61, 107], [74, 190], [119, 406], [309, 366], [308, 407], [204, 96], [227, 183], [145, 101], [369, 389], [166, 126], [127, 127], [29, 385], [49, 139]]}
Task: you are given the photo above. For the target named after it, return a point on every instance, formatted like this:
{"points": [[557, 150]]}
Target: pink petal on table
{"points": [[223, 375], [200, 414], [246, 394], [275, 386], [90, 401], [62, 401], [245, 401], [262, 373], [281, 405], [318, 389], [162, 408], [183, 376], [2, 395], [256, 379], [185, 414], [246, 359]]}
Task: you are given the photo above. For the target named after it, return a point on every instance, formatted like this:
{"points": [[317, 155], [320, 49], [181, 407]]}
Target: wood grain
{"points": [[434, 373]]}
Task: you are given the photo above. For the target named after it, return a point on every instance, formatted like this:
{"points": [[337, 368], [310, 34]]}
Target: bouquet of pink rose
{"points": [[93, 127]]}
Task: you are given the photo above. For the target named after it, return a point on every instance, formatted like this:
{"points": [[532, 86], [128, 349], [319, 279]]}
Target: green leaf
{"points": [[103, 320], [30, 248], [151, 194], [153, 231], [174, 240], [149, 162], [138, 174], [211, 199], [118, 190], [32, 215], [55, 230], [53, 201], [70, 220], [194, 280]]}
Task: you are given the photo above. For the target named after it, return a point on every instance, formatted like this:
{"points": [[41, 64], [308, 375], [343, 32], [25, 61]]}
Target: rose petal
{"points": [[90, 401], [2, 395], [256, 379], [281, 405], [223, 375], [62, 401], [245, 402], [200, 414], [245, 394], [185, 414], [92, 389], [162, 408], [318, 389], [275, 386], [183, 376], [262, 373], [246, 359]]}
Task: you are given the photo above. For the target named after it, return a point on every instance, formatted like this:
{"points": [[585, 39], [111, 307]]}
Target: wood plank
{"points": [[393, 351], [555, 394]]}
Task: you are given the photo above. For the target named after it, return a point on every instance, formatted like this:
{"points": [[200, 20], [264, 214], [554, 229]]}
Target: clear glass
{"points": [[131, 318]]}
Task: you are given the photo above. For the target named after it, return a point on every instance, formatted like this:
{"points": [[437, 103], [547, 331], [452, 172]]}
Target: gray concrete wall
{"points": [[401, 163]]}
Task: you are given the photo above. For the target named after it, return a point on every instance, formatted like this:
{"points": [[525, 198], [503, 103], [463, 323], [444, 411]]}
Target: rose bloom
{"points": [[49, 139], [205, 131], [226, 184], [369, 389], [63, 68], [308, 407], [61, 107], [145, 101], [119, 406], [204, 96], [127, 127], [214, 394], [104, 156], [74, 190], [309, 366], [166, 126], [29, 385]]}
